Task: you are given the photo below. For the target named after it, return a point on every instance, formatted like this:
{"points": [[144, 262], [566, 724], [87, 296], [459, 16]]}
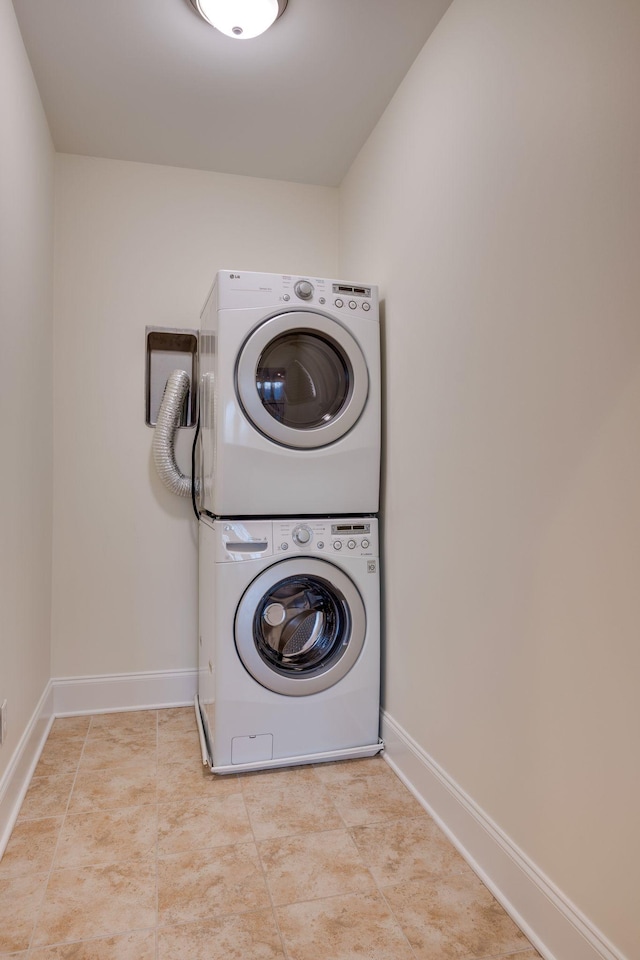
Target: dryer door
{"points": [[302, 379], [300, 626]]}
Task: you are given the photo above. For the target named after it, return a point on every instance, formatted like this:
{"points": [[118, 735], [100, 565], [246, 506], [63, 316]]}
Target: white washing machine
{"points": [[289, 668], [290, 396]]}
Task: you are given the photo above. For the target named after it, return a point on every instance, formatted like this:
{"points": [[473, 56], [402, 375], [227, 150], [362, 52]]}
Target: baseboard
{"points": [[554, 925], [73, 696], [17, 776]]}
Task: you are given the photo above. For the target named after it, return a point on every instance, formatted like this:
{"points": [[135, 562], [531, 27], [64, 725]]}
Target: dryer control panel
{"points": [[234, 290]]}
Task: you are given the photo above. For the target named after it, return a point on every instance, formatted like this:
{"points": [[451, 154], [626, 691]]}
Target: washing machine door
{"points": [[302, 379], [300, 626]]}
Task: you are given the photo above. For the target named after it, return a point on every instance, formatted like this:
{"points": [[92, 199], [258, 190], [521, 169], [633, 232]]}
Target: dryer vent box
{"points": [[168, 350]]}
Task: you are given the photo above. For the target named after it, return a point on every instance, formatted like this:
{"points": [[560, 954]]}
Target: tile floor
{"points": [[126, 850]]}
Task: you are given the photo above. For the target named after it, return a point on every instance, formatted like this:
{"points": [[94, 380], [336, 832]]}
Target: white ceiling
{"points": [[149, 80]]}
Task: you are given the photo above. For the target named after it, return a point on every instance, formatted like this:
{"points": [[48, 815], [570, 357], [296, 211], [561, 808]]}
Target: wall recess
{"points": [[170, 349]]}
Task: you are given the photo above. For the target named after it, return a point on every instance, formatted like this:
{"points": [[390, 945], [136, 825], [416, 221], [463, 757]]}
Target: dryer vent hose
{"points": [[168, 421]]}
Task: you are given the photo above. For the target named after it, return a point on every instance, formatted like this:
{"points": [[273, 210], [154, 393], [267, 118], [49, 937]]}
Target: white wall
{"points": [[497, 203], [26, 253], [139, 245]]}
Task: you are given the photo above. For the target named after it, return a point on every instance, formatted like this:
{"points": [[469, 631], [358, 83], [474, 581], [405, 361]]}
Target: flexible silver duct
{"points": [[164, 434]]}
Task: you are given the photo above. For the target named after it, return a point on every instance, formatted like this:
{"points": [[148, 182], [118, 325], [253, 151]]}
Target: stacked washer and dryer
{"points": [[289, 665]]}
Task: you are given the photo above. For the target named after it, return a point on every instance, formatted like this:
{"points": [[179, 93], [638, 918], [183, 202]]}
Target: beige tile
{"points": [[212, 822], [129, 725], [210, 889], [313, 866], [175, 721], [256, 784], [250, 936], [182, 781], [367, 799], [139, 945], [181, 748], [46, 797], [114, 788], [410, 849], [97, 901], [343, 928], [352, 769], [203, 884], [284, 806], [20, 900], [125, 752], [31, 847], [69, 728], [107, 836], [453, 918], [59, 757]]}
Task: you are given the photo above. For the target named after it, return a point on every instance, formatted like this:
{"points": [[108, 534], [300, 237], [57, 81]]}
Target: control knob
{"points": [[302, 535], [303, 289]]}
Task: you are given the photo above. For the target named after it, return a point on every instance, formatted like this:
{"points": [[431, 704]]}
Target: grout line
{"points": [[285, 952], [501, 955], [436, 879], [350, 829], [330, 797], [72, 943], [345, 829], [55, 852], [31, 946], [395, 918]]}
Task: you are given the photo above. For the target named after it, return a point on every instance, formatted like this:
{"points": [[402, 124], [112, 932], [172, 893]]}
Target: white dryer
{"points": [[290, 396], [289, 669]]}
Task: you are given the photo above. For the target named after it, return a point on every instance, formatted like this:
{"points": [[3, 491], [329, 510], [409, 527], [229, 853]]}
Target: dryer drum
{"points": [[302, 379]]}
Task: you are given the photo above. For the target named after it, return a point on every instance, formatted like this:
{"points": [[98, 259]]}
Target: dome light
{"points": [[240, 19]]}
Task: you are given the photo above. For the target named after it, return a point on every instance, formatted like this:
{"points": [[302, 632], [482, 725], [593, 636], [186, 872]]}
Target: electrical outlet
{"points": [[3, 722]]}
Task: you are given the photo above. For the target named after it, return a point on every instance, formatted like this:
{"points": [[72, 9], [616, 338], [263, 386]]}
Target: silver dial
{"points": [[304, 289], [302, 535]]}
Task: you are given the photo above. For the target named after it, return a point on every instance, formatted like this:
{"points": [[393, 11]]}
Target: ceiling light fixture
{"points": [[240, 19]]}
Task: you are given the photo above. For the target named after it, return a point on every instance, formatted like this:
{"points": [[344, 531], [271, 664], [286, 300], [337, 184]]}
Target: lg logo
{"points": [[234, 276]]}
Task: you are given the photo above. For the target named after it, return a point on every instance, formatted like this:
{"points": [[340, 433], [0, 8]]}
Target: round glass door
{"points": [[300, 626], [302, 379]]}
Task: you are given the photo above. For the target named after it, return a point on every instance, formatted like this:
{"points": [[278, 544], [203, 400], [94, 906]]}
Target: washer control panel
{"points": [[357, 537], [243, 540]]}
